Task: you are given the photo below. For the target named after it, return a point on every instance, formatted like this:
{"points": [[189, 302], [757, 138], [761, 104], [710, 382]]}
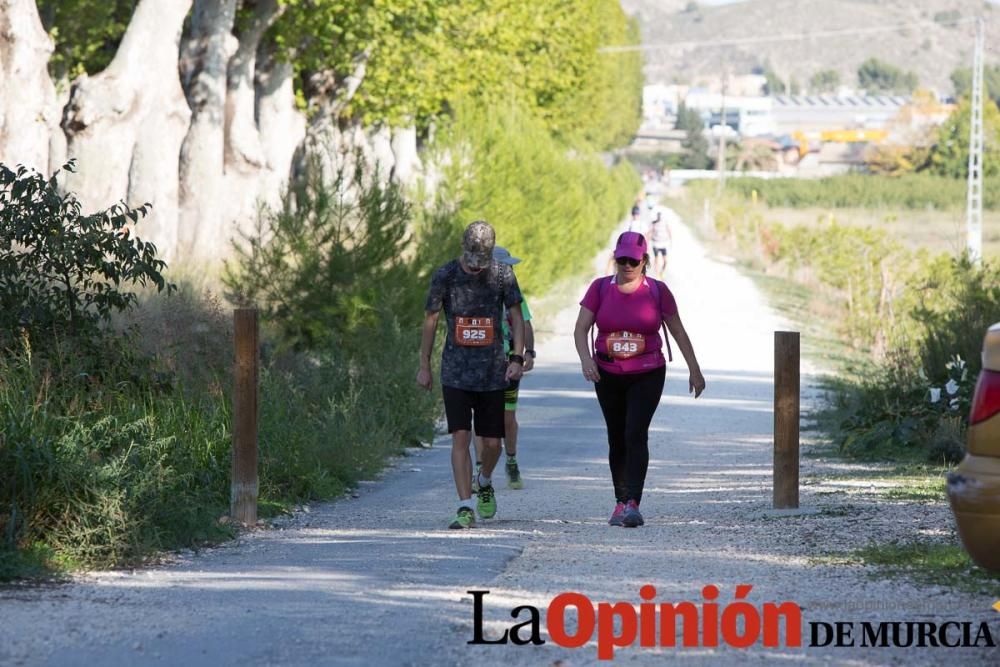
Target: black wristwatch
{"points": [[516, 358], [530, 353]]}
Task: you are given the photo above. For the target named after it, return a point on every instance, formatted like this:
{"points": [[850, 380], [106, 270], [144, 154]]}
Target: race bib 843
{"points": [[625, 344], [474, 331]]}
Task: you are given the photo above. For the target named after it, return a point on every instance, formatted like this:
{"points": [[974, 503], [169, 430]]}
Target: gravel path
{"points": [[377, 580]]}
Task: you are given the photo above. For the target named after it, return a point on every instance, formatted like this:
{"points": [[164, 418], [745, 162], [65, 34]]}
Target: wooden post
{"points": [[243, 491], [786, 419]]}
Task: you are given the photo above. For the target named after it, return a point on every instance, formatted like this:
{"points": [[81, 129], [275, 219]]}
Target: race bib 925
{"points": [[474, 331]]}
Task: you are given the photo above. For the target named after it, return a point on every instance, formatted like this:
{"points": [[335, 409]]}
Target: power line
{"points": [[790, 37]]}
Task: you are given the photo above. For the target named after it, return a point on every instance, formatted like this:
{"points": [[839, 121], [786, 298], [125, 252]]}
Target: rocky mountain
{"points": [[931, 37]]}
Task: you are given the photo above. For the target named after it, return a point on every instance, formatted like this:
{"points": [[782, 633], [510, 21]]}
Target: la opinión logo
{"points": [[739, 624]]}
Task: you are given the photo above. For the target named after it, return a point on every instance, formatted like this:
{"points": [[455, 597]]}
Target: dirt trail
{"points": [[378, 580]]}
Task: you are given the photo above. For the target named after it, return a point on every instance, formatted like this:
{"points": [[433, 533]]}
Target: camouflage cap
{"points": [[477, 245]]}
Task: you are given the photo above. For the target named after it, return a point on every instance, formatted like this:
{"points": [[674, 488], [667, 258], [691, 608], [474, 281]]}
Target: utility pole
{"points": [[721, 162], [974, 192]]}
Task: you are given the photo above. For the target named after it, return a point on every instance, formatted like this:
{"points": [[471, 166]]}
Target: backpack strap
{"points": [[655, 290], [602, 290]]}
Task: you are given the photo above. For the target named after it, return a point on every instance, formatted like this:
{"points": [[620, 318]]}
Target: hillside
{"points": [[931, 49]]}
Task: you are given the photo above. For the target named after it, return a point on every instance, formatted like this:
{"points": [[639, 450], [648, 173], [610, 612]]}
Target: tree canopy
{"points": [[422, 56], [950, 155], [86, 33], [824, 81], [876, 76], [961, 79]]}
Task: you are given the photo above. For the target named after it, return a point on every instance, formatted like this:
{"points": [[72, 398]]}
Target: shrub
{"points": [[333, 274], [921, 317], [62, 272], [103, 479], [329, 261]]}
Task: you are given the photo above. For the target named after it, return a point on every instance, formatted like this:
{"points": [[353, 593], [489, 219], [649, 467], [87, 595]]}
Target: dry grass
{"points": [[938, 231]]}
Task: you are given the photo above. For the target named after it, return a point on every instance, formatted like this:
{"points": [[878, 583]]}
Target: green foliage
{"points": [[824, 81], [930, 563], [961, 79], [950, 154], [606, 109], [854, 264], [110, 466], [774, 84], [876, 76], [550, 203], [318, 267], [62, 272], [892, 410], [695, 144], [920, 318], [86, 33], [109, 474], [947, 307], [351, 409], [908, 191], [334, 274], [947, 16], [424, 55], [103, 475]]}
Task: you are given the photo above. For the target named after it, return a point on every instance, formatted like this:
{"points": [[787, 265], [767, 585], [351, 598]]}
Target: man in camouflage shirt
{"points": [[473, 291]]}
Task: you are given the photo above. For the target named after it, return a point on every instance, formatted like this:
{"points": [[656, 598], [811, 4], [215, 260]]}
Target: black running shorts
{"points": [[461, 405]]}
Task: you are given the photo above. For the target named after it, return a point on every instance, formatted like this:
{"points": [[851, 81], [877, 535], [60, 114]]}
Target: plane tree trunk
{"points": [[125, 125]]}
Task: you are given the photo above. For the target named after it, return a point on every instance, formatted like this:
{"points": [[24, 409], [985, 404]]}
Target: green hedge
{"points": [[911, 191]]}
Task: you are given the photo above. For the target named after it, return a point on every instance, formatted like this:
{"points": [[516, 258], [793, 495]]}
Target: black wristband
{"points": [[516, 358], [530, 353]]}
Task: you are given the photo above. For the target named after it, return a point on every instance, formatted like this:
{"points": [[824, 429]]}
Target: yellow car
{"points": [[974, 488]]}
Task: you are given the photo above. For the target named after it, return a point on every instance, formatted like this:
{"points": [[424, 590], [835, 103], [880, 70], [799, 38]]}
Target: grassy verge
{"points": [[116, 469], [929, 563], [912, 482]]}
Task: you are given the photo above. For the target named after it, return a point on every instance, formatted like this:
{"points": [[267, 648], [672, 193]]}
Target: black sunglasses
{"points": [[622, 261]]}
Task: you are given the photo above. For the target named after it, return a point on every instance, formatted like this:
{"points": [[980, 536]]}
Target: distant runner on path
{"points": [[627, 365], [473, 291], [511, 467], [660, 240]]}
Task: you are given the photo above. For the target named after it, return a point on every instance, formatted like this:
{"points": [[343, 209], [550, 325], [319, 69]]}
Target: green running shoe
{"points": [[486, 502], [514, 480], [465, 518]]}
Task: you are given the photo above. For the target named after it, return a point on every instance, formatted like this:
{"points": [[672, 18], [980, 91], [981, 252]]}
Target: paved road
{"points": [[377, 580]]}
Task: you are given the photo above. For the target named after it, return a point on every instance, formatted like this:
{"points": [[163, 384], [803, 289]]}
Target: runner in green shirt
{"points": [[514, 480]]}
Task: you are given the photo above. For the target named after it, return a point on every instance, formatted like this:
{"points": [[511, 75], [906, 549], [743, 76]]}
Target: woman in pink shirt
{"points": [[628, 366]]}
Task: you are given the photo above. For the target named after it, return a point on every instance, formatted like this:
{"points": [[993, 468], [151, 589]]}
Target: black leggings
{"points": [[628, 403]]}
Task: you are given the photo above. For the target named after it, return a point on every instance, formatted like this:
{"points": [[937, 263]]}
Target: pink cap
{"points": [[631, 244]]}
